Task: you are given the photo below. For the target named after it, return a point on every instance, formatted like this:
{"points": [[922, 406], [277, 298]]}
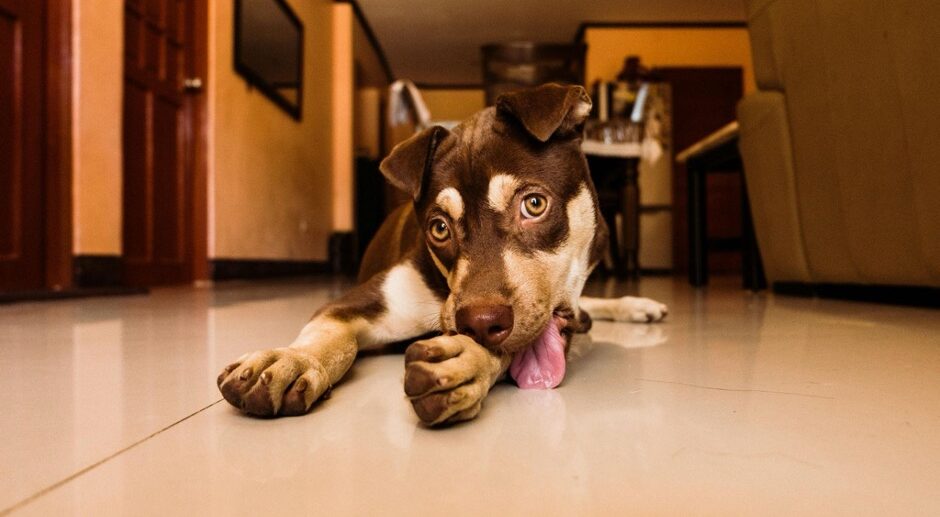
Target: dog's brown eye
{"points": [[439, 230], [534, 205]]}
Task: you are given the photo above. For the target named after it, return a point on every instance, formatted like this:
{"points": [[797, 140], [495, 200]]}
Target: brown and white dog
{"points": [[490, 260]]}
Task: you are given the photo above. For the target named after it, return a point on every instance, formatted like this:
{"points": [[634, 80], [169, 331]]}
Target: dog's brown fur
{"points": [[473, 186]]}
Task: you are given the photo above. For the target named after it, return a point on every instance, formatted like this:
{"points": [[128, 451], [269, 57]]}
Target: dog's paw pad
{"points": [[273, 382], [642, 310], [444, 379]]}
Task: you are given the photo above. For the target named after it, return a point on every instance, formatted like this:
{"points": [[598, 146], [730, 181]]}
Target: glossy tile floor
{"points": [[737, 404]]}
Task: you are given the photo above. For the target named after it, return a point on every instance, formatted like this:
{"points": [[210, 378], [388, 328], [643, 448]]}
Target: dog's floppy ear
{"points": [[548, 109], [408, 166]]}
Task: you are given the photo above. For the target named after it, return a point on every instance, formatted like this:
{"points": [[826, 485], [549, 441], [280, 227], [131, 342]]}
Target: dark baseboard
{"points": [[96, 271], [656, 271], [915, 296], [92, 276], [69, 294], [601, 272], [247, 269], [344, 253]]}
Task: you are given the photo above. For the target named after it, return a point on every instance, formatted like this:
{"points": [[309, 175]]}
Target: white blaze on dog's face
{"points": [[553, 278], [510, 218], [526, 244]]}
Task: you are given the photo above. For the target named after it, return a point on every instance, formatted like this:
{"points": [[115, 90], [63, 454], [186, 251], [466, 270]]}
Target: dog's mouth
{"points": [[542, 364]]}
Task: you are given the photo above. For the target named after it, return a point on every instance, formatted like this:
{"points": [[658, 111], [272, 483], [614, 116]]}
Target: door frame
{"points": [[199, 217], [57, 145]]}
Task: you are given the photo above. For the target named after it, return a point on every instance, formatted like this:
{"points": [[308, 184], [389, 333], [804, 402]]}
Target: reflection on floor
{"points": [[738, 403]]}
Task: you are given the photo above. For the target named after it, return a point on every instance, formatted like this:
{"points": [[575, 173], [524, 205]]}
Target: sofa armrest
{"points": [[768, 170]]}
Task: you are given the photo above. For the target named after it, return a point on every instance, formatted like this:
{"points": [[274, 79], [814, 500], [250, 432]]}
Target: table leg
{"points": [[698, 226], [616, 254], [631, 221]]}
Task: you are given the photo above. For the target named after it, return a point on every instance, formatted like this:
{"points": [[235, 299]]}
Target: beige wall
{"points": [[343, 90], [453, 104], [607, 48], [445, 105], [96, 118], [270, 175]]}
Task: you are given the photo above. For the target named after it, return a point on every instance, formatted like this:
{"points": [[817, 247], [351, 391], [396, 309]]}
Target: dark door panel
{"points": [[21, 157], [158, 182]]}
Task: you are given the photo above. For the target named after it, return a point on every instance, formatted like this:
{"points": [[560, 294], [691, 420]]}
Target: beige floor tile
{"points": [[739, 403]]}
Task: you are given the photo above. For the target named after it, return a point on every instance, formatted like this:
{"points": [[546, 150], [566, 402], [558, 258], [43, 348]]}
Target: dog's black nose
{"points": [[488, 325]]}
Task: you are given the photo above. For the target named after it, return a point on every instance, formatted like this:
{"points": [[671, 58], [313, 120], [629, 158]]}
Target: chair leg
{"points": [[631, 221], [698, 227]]}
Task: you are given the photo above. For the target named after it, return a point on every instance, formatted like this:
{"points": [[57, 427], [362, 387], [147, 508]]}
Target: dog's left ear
{"points": [[408, 166], [548, 110]]}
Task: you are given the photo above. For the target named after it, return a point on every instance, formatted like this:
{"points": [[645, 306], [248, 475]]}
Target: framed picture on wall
{"points": [[269, 50]]}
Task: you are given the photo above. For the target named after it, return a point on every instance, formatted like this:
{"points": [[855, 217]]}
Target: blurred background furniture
{"points": [[841, 144], [406, 107], [615, 169], [627, 131], [512, 66], [718, 153], [702, 100]]}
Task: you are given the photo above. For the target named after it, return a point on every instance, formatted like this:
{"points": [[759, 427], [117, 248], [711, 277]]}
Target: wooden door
{"points": [[158, 145], [21, 156], [703, 101]]}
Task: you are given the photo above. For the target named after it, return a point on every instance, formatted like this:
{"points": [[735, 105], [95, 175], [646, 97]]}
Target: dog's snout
{"points": [[488, 325]]}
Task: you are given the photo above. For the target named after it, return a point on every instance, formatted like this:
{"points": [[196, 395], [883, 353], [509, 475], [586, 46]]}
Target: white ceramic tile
{"points": [[81, 380], [738, 404]]}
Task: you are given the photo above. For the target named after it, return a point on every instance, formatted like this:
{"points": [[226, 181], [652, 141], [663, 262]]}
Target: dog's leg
{"points": [[447, 377], [393, 306], [627, 308]]}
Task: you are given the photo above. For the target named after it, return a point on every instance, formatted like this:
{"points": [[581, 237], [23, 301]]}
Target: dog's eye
{"points": [[439, 230], [534, 205]]}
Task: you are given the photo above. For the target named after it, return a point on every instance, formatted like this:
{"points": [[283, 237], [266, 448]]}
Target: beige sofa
{"points": [[841, 144]]}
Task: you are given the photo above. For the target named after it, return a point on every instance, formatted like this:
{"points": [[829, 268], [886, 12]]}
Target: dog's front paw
{"points": [[282, 381], [640, 310], [447, 378]]}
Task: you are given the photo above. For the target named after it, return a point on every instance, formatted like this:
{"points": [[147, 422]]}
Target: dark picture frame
{"points": [[271, 85]]}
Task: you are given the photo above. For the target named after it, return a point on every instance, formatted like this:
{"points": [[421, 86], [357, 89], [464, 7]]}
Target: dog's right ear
{"points": [[547, 110], [408, 166]]}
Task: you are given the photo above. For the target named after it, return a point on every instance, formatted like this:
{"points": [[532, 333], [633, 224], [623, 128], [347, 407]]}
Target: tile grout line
{"points": [[57, 484], [739, 390]]}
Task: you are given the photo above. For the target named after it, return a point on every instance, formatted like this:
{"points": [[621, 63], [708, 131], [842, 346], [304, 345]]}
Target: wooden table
{"points": [[718, 153], [615, 170]]}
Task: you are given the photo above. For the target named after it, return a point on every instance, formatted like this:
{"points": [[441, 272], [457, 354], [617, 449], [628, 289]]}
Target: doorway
{"points": [[164, 193], [35, 145], [703, 100]]}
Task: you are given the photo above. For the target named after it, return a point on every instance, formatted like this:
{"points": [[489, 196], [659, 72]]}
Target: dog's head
{"points": [[509, 214]]}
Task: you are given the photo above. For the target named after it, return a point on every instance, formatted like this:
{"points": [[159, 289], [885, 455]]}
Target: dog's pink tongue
{"points": [[542, 365]]}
